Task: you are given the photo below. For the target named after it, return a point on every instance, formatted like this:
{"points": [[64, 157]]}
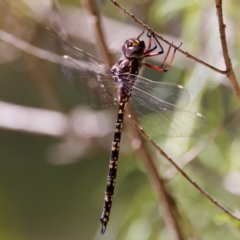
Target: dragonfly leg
{"points": [[141, 33], [160, 68]]}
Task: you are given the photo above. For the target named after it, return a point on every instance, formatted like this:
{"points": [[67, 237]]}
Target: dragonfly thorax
{"points": [[126, 69], [127, 66]]}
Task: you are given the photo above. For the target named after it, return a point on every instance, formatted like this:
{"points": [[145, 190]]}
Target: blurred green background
{"points": [[54, 148]]}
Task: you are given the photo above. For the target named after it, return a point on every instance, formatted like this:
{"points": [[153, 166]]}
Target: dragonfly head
{"points": [[133, 48]]}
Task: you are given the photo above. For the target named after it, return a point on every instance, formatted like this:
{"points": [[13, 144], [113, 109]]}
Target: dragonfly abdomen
{"points": [[112, 173]]}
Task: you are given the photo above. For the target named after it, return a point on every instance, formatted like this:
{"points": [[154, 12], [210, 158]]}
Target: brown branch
{"points": [[167, 42], [95, 21], [230, 73], [201, 190], [191, 181]]}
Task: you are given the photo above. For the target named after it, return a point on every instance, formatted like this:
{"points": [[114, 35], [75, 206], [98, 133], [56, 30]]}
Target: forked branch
{"points": [[167, 42], [229, 73]]}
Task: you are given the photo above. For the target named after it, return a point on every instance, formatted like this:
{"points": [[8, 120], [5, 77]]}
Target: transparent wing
{"points": [[166, 92], [155, 110], [155, 106], [90, 76]]}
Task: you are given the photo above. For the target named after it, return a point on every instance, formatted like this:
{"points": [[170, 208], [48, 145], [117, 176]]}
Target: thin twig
{"points": [[169, 159], [167, 42], [230, 73]]}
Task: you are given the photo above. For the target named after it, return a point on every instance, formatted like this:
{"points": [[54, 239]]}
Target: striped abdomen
{"points": [[112, 168]]}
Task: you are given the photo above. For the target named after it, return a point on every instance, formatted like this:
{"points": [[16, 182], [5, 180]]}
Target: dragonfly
{"points": [[158, 108]]}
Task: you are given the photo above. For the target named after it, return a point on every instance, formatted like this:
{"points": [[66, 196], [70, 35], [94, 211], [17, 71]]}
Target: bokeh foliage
{"points": [[44, 199]]}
